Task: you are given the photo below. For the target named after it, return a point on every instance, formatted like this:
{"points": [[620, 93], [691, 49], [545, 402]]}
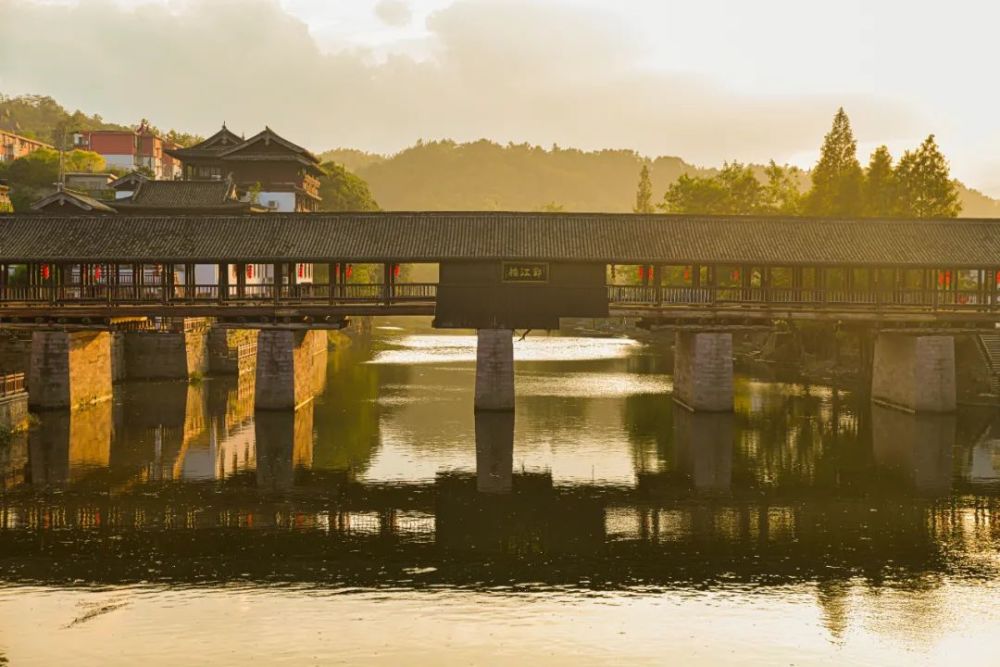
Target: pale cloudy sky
{"points": [[708, 80]]}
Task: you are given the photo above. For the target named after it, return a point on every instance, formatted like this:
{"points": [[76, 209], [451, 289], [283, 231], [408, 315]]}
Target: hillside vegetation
{"points": [[483, 175]]}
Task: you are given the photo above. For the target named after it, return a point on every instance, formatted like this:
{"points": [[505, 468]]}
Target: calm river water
{"points": [[384, 524]]}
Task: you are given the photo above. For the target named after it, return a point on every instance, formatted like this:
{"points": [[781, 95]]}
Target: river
{"points": [[383, 523]]}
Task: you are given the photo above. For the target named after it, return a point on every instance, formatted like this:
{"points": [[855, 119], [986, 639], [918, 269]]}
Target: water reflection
{"points": [[388, 480]]}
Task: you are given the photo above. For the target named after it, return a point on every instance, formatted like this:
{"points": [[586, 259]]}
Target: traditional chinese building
{"points": [[267, 169], [70, 202], [184, 197]]}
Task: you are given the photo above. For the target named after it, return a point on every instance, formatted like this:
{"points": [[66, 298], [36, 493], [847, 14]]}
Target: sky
{"points": [[708, 81]]}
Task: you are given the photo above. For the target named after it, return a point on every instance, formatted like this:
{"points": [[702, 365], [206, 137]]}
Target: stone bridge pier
{"points": [[69, 369], [290, 364], [494, 370], [703, 371], [914, 373]]}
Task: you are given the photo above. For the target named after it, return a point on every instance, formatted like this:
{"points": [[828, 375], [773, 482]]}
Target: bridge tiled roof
{"points": [[427, 236]]}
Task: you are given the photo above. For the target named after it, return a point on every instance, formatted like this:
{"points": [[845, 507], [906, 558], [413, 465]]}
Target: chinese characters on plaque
{"points": [[525, 272]]}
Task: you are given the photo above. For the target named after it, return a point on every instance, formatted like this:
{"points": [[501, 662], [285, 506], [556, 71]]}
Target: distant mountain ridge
{"points": [[484, 175]]}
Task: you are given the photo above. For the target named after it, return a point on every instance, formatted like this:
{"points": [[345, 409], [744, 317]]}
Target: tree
{"points": [[341, 190], [781, 193], [644, 194], [733, 191], [925, 188], [35, 174], [879, 194], [837, 177]]}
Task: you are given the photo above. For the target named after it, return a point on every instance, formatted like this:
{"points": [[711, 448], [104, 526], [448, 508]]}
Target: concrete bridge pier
{"points": [[69, 369], [494, 370], [287, 362], [914, 373], [703, 371]]}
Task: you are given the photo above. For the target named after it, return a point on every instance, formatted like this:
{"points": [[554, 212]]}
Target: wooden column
{"points": [[279, 281], [223, 282]]}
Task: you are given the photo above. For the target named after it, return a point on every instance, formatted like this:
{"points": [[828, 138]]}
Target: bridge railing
{"points": [[951, 299], [11, 383]]}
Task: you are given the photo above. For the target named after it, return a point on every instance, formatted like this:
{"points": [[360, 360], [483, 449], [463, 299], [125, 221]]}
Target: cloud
{"points": [[502, 69], [394, 12]]}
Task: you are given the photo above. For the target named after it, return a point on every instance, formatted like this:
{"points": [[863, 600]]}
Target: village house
{"points": [[131, 150], [14, 146]]}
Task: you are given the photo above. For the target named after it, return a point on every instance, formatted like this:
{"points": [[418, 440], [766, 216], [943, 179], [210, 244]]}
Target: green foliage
{"points": [[782, 193], [837, 177], [41, 117], [644, 193], [35, 174], [880, 194], [736, 190], [925, 186], [342, 190]]}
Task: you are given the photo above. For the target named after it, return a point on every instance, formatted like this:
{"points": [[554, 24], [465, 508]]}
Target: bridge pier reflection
{"points": [[918, 447], [494, 452], [67, 445], [703, 446], [284, 443]]}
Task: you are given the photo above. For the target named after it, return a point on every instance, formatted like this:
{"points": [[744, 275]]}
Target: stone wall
{"points": [[154, 355], [223, 346], [69, 369], [703, 371], [914, 373], [13, 411]]}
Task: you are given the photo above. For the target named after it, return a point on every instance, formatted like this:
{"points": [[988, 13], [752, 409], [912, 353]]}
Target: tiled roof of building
{"points": [[70, 201], [605, 238], [218, 143], [181, 195], [128, 181]]}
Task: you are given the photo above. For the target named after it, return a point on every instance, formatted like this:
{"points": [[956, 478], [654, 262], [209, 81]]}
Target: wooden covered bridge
{"points": [[500, 271]]}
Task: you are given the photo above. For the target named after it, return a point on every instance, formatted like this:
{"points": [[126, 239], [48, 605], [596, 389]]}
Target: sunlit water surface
{"points": [[382, 523]]}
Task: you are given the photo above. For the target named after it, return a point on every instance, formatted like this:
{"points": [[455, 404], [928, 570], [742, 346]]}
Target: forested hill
{"points": [[444, 175]]}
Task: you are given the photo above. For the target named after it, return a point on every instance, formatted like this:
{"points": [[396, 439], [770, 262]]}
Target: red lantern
{"points": [[97, 272], [249, 270], [302, 270], [350, 271], [687, 273], [45, 272], [735, 275], [395, 270]]}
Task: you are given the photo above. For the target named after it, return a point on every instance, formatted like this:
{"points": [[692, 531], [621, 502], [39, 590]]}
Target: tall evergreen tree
{"points": [[880, 195], [924, 183], [644, 194], [837, 177]]}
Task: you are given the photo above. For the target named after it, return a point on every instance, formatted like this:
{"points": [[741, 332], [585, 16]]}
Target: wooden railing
{"points": [[11, 383], [948, 299], [641, 296], [309, 293]]}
